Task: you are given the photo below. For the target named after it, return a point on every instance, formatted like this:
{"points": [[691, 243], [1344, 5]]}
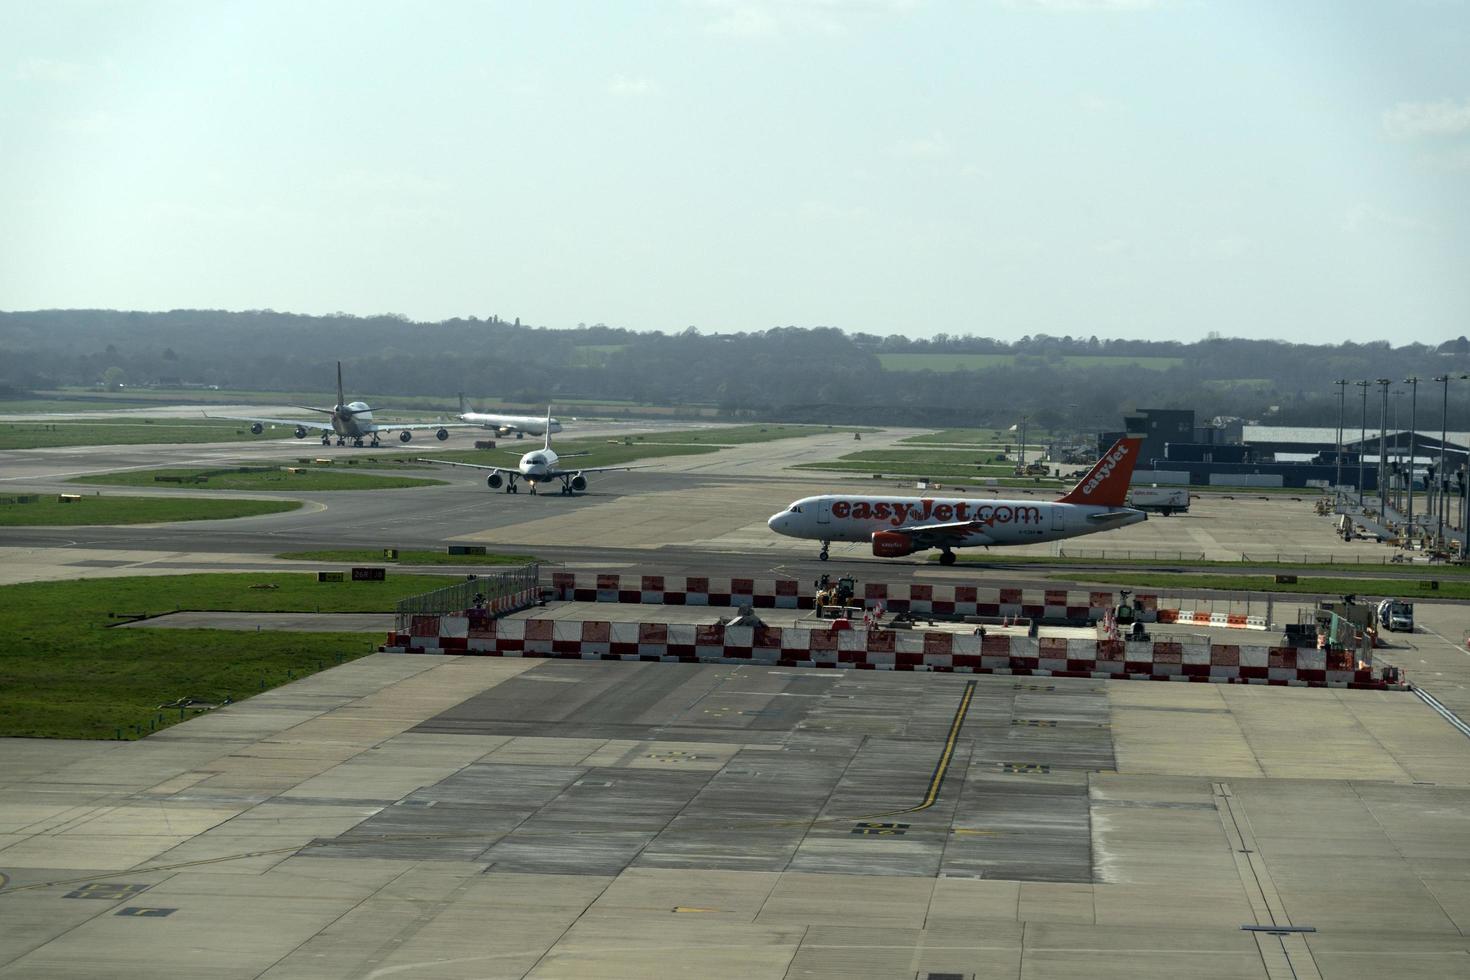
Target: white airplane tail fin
{"points": [[341, 398], [548, 427]]}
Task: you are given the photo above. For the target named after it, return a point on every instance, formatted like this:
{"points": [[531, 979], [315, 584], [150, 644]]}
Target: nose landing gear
{"points": [[822, 555]]}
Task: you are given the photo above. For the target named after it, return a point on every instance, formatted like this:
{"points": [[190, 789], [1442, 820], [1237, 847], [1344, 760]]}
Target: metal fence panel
{"points": [[480, 592]]}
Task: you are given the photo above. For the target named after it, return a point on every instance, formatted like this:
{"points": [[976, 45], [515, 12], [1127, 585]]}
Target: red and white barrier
{"points": [[940, 600], [884, 650]]}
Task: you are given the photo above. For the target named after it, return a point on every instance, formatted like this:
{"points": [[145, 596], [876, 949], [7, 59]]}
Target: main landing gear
{"points": [[823, 553], [946, 557], [326, 439], [357, 442], [510, 486], [341, 440], [374, 443]]}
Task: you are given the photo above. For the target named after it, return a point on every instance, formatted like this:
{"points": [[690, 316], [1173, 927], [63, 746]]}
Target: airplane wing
{"points": [[400, 426], [471, 466], [939, 532], [558, 474], [304, 423]]}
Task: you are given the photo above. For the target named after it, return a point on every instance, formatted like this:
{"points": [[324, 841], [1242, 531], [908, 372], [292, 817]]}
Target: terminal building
{"points": [[1178, 451]]}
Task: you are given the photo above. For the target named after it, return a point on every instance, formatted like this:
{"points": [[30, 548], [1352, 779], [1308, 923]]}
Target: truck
{"points": [[1165, 500], [1396, 616]]}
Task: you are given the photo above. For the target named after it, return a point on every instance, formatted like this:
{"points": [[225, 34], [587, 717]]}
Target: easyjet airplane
{"points": [[899, 526]]}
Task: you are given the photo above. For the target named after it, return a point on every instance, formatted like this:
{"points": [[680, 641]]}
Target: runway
{"points": [[481, 817]]}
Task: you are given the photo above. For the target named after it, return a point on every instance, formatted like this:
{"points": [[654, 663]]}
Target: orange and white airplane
{"points": [[899, 526]]}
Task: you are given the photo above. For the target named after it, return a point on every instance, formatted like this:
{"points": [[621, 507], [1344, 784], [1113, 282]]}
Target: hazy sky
{"points": [[1127, 168]]}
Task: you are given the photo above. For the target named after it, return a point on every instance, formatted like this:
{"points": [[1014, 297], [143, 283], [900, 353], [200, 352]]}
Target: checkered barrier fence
{"points": [[884, 650], [1204, 617], [943, 600]]}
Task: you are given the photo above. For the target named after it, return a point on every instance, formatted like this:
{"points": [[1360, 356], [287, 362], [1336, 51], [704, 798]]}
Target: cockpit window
{"points": [[795, 509]]}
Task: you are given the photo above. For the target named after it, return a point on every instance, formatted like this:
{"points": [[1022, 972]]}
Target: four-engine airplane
{"points": [[898, 526], [348, 420], [536, 467]]}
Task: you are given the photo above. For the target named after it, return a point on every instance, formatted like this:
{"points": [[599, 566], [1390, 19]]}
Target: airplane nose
{"points": [[777, 523]]}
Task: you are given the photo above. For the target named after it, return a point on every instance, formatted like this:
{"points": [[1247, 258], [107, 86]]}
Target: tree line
{"points": [[817, 374]]}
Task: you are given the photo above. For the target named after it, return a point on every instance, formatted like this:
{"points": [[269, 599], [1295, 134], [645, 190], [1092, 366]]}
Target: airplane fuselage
{"points": [[973, 522], [353, 420], [506, 424], [536, 465]]}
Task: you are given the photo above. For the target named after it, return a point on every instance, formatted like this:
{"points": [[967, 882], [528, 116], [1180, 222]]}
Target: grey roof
{"points": [[1326, 435]]}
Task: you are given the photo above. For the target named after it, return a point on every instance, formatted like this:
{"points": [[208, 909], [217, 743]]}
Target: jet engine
{"points": [[441, 434], [301, 432], [256, 428], [405, 436], [893, 544], [493, 481], [579, 483]]}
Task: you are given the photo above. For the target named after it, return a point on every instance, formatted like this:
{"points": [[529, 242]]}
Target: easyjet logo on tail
{"points": [[1104, 469], [1106, 484]]}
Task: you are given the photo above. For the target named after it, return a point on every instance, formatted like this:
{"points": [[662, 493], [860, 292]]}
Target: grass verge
{"points": [[64, 674], [1389, 571], [258, 478], [48, 511], [133, 432], [1399, 588], [375, 555]]}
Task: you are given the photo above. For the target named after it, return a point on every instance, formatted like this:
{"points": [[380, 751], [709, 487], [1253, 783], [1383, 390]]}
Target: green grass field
{"points": [[936, 463], [64, 674], [740, 435], [258, 478], [1381, 570], [980, 362], [375, 555], [94, 509], [1035, 437], [1405, 588], [129, 432]]}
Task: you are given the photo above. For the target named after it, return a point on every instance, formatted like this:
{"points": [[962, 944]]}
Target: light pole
{"points": [[1444, 410], [1383, 383], [1397, 469], [1341, 392], [1413, 382], [1362, 438]]}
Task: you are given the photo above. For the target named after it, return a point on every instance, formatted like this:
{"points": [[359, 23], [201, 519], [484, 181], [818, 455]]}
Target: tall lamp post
{"points": [[1444, 410], [1383, 384], [1413, 383], [1341, 392], [1362, 437]]}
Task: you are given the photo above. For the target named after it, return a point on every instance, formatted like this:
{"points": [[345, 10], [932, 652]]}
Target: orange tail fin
{"points": [[1106, 484]]}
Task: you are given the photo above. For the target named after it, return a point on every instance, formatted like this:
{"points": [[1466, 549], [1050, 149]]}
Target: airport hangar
{"points": [[473, 816]]}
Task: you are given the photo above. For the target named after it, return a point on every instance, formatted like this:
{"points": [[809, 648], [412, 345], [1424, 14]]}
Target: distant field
{"points": [[264, 478], [92, 509], [979, 362], [64, 674], [601, 452], [744, 434], [130, 432], [375, 556], [1035, 437], [973, 464], [1402, 588]]}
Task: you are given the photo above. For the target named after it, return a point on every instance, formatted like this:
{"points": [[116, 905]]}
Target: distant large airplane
{"points": [[898, 526], [504, 425], [535, 467], [349, 420]]}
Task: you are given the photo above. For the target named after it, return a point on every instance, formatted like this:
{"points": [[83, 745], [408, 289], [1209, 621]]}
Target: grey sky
{"points": [[1123, 168]]}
